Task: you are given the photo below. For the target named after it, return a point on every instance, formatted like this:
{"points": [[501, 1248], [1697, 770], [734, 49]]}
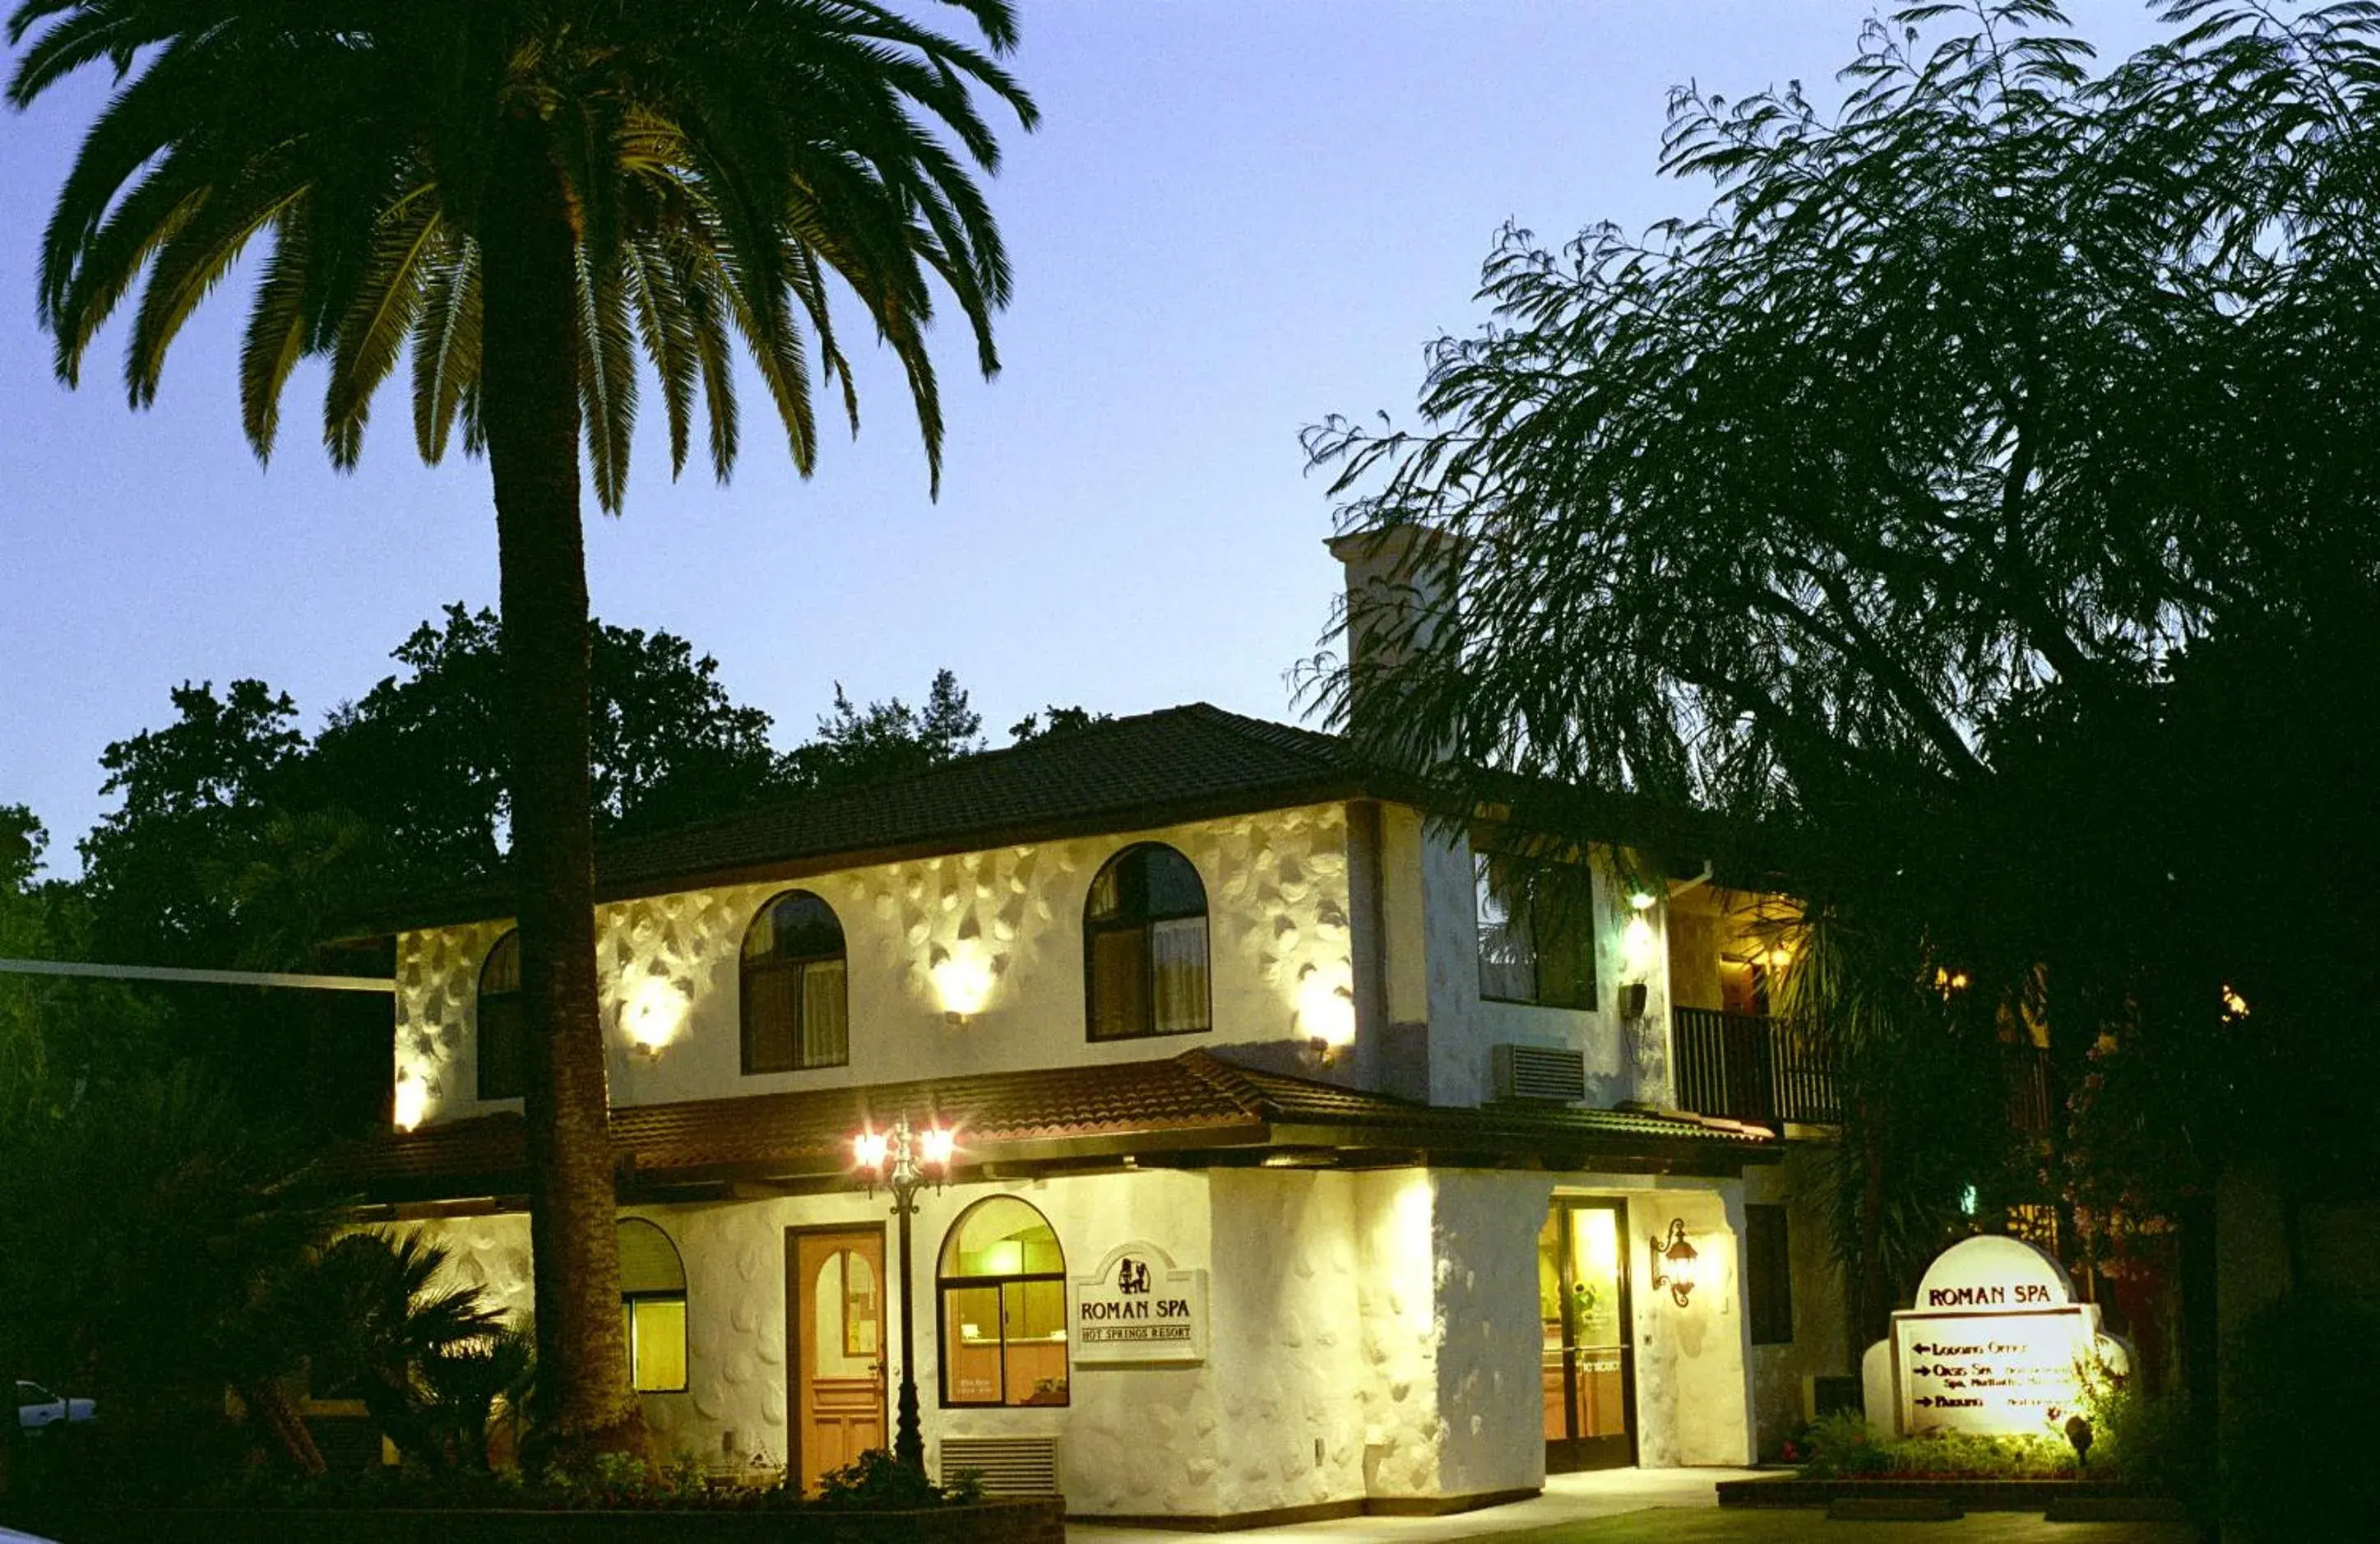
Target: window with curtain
{"points": [[503, 1053], [1002, 1285], [652, 1303], [1145, 946], [794, 999], [1536, 931]]}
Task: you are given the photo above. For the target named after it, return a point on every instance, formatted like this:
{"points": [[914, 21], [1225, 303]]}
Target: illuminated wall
{"points": [[1279, 949]]}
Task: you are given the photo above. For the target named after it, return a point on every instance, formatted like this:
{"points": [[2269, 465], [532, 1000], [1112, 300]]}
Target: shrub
{"points": [[1842, 1447], [876, 1481]]}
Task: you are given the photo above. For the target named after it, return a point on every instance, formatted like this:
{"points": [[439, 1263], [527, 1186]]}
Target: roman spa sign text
{"points": [[1138, 1308]]}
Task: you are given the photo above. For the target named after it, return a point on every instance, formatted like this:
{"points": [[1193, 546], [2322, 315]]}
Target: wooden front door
{"points": [[835, 1322], [1589, 1373]]}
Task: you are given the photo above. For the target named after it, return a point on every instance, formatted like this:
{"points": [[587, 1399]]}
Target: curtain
{"points": [[1119, 985], [772, 1009], [826, 1034], [1177, 953]]}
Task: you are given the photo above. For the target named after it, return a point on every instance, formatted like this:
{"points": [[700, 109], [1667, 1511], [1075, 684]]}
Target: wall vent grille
{"points": [[1010, 1465], [1541, 1074]]}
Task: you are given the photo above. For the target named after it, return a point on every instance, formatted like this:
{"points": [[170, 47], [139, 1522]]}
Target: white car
{"points": [[36, 1407]]}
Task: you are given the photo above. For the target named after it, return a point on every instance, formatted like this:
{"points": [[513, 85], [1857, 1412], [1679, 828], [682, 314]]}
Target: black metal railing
{"points": [[1751, 1067]]}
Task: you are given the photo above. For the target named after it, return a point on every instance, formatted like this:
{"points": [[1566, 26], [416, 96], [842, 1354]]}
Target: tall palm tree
{"points": [[532, 196]]}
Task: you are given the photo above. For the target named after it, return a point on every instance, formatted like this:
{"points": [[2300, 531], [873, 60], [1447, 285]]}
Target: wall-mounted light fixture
{"points": [[1674, 1263], [963, 981], [1639, 900], [653, 1015]]}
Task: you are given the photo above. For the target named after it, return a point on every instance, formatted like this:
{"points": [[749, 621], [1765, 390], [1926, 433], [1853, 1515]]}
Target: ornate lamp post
{"points": [[904, 1162]]}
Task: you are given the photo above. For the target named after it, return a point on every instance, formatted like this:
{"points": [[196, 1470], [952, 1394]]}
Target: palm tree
{"points": [[530, 196]]}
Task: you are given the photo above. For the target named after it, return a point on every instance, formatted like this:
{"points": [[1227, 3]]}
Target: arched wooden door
{"points": [[835, 1327]]}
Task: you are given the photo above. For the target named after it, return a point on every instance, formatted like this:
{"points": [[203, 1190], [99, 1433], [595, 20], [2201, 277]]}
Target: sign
{"points": [[1137, 1309], [1996, 1344]]}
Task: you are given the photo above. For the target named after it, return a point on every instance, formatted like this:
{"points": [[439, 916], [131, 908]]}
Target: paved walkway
{"points": [[1660, 1506]]}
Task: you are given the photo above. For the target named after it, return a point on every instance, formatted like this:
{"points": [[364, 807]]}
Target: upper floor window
{"points": [[504, 1028], [794, 1003], [1536, 931], [1003, 1285], [1145, 946], [652, 1304]]}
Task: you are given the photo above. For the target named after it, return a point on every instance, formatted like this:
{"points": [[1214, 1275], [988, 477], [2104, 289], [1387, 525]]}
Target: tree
{"points": [[531, 194], [853, 746], [1981, 494]]}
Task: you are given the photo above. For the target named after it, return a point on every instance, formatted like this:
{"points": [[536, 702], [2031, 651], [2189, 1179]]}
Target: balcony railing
{"points": [[1751, 1067]]}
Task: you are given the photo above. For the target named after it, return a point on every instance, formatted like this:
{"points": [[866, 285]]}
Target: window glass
{"points": [[1145, 963], [794, 1000], [1536, 931], [653, 1306], [502, 1054], [1004, 1308]]}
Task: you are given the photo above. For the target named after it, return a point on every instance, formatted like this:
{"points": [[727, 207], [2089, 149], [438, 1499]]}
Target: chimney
{"points": [[1399, 589]]}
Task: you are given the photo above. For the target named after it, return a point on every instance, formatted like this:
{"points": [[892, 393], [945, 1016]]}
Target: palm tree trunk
{"points": [[530, 411]]}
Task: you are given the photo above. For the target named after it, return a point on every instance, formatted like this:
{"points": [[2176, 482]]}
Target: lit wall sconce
{"points": [[1639, 900], [1674, 1263], [1326, 1014], [653, 1015], [411, 1105], [963, 981]]}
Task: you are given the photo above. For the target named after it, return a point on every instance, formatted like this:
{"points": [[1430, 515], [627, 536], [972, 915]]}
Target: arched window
{"points": [[794, 1002], [504, 1048], [1145, 946], [652, 1301], [1003, 1285]]}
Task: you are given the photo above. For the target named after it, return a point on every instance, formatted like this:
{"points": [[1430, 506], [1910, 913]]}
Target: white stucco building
{"points": [[1397, 1136]]}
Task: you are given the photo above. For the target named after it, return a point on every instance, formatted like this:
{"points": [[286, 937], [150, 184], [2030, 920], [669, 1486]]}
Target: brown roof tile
{"points": [[1192, 1101]]}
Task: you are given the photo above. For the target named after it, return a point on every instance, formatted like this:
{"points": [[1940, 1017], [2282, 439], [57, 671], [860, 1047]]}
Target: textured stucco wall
{"points": [[1288, 1340], [1693, 1399], [1820, 1343], [1398, 1311], [1484, 1236], [1278, 906]]}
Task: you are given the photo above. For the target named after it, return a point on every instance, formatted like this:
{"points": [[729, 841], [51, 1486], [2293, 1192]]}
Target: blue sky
{"points": [[1240, 215]]}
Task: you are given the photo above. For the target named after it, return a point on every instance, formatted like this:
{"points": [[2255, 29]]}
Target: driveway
{"points": [[1662, 1506]]}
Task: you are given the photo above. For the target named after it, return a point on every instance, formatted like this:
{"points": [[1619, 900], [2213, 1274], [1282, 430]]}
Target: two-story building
{"points": [[1310, 1157]]}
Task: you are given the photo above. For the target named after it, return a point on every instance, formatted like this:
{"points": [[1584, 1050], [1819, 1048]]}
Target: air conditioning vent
{"points": [[1540, 1073], [1010, 1465]]}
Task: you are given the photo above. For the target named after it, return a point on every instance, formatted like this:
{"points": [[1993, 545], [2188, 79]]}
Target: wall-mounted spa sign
{"points": [[1138, 1308], [1995, 1344]]}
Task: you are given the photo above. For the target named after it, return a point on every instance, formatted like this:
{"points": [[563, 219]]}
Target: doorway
{"points": [[1589, 1369], [835, 1322]]}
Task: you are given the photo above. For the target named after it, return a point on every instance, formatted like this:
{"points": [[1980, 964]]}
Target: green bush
{"points": [[876, 1481], [1842, 1447]]}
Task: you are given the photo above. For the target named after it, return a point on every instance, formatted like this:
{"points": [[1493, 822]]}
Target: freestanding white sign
{"points": [[1994, 1345], [1136, 1309]]}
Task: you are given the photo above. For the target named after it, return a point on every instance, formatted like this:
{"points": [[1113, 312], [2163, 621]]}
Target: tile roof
{"points": [[1151, 769], [1194, 1101]]}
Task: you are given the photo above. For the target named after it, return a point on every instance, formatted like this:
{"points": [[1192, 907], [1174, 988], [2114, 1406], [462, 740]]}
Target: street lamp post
{"points": [[904, 1161]]}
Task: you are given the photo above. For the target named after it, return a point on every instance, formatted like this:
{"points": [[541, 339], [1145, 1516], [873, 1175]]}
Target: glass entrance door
{"points": [[1589, 1383]]}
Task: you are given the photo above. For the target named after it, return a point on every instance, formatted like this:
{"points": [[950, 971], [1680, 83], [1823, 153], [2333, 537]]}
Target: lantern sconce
{"points": [[1673, 1262]]}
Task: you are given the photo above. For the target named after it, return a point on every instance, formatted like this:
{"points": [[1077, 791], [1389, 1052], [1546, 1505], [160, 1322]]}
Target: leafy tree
{"points": [[1055, 720], [888, 739], [1975, 494], [533, 195]]}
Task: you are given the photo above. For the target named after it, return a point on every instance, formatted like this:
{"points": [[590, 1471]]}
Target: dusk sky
{"points": [[1237, 218]]}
